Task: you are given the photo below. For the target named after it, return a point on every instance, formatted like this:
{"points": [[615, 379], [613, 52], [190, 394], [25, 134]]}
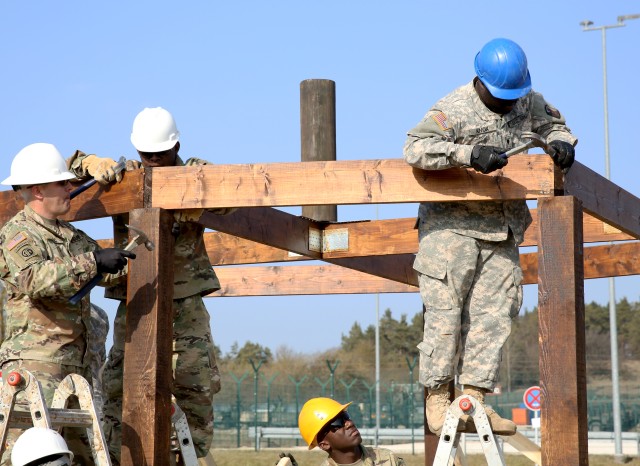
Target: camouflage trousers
{"points": [[196, 377], [471, 290], [50, 375]]}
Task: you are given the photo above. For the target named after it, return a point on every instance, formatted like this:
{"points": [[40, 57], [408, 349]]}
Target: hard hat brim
{"points": [[508, 94], [155, 147], [22, 181]]}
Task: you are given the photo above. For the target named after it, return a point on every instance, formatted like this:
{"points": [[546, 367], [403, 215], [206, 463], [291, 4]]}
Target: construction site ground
{"points": [[269, 457]]}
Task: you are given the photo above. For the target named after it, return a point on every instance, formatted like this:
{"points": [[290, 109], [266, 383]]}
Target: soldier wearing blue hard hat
{"points": [[468, 262]]}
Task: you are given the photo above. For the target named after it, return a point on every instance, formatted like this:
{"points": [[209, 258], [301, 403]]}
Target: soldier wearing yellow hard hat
{"points": [[325, 423]]}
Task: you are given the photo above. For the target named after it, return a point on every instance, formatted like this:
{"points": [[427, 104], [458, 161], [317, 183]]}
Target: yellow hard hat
{"points": [[314, 415]]}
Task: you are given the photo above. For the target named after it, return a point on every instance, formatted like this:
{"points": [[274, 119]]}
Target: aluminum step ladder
{"points": [[55, 417], [58, 415], [450, 437]]}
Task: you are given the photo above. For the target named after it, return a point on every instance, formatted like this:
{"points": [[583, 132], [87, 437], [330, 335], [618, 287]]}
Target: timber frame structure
{"points": [[364, 257]]}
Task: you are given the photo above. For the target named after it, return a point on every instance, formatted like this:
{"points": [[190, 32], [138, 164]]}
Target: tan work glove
{"points": [[101, 168], [188, 215]]}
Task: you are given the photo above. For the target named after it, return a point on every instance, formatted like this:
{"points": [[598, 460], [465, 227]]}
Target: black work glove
{"points": [[290, 456], [486, 159], [112, 260], [564, 155]]}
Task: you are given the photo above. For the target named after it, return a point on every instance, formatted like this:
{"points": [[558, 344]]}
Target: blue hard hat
{"points": [[501, 65]]}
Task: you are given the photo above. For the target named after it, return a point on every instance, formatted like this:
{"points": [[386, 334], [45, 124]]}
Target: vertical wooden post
{"points": [[146, 409], [562, 332], [318, 134]]}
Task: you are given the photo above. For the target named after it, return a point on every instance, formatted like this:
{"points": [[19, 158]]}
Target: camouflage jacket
{"points": [[445, 138], [43, 263], [3, 301], [97, 353], [193, 273], [372, 457]]}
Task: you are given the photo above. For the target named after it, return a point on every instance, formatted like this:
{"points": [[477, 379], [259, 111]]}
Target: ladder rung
{"points": [[59, 418]]}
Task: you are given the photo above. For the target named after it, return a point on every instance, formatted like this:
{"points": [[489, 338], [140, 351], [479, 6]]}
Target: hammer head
{"points": [[140, 238], [537, 141]]}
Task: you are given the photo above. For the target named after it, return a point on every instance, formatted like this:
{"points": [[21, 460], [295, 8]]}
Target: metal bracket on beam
{"points": [[315, 240], [328, 240], [335, 240]]}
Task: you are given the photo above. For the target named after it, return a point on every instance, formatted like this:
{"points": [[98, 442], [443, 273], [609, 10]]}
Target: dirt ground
{"points": [[269, 457]]}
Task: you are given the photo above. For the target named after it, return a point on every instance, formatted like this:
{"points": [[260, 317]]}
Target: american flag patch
{"points": [[441, 119], [19, 238]]}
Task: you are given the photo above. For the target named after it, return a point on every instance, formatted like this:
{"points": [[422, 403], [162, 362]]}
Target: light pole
{"points": [[377, 430], [613, 324]]}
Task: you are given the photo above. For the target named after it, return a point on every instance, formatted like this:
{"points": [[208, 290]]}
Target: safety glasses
{"points": [[338, 422]]}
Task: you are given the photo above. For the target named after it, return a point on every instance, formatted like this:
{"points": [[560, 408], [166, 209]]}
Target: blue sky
{"points": [[75, 74]]}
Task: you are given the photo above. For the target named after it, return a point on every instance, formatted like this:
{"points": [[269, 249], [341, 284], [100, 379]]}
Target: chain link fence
{"points": [[252, 399]]}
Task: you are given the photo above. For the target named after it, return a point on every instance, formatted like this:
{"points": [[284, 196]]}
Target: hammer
{"points": [[535, 140], [137, 240], [140, 238], [539, 141], [122, 163]]}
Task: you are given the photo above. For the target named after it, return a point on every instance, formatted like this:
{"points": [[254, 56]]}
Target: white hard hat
{"points": [[37, 164], [37, 443], [154, 130]]}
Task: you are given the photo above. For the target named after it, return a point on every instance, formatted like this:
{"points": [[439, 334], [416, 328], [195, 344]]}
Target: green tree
{"points": [[519, 368], [250, 350]]}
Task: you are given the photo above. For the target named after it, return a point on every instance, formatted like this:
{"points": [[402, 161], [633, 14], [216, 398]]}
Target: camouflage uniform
{"points": [[3, 301], [43, 263], [468, 261], [97, 353], [196, 377], [373, 457]]}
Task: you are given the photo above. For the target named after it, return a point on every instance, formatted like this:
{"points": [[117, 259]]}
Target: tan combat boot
{"points": [[500, 426], [436, 408]]}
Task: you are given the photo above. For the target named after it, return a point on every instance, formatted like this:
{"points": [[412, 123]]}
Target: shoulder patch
{"points": [[27, 252], [551, 111], [441, 119], [19, 238]]}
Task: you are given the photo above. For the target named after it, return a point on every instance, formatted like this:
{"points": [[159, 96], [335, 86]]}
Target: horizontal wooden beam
{"points": [[398, 267], [302, 280], [604, 199], [373, 238], [594, 231], [96, 202], [599, 262], [345, 182], [365, 238], [225, 249], [616, 260], [368, 238]]}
